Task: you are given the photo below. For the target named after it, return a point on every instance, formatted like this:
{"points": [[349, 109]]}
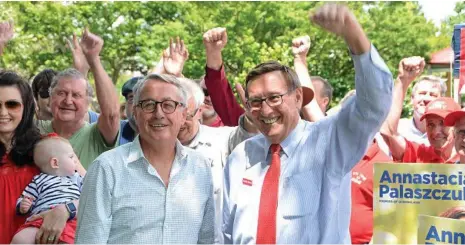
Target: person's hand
{"points": [[79, 59], [215, 39], [6, 33], [300, 47], [175, 57], [25, 204], [91, 45], [409, 69], [335, 18], [54, 221]]}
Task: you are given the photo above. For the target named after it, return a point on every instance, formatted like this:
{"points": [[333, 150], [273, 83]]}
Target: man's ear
{"points": [[326, 102], [299, 98]]}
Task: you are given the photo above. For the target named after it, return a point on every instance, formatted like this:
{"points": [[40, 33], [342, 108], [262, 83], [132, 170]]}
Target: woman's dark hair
{"points": [[42, 81], [26, 134]]}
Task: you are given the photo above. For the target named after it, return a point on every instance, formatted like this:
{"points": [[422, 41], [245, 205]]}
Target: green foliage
{"points": [[135, 33]]}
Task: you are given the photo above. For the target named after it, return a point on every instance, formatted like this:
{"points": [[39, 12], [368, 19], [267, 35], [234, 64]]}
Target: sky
{"points": [[437, 10]]}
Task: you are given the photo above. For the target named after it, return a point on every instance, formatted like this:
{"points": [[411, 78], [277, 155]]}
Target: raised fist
{"points": [[410, 68], [335, 18], [300, 46], [215, 39]]}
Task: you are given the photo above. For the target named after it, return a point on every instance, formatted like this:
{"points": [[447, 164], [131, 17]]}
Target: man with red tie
{"points": [[288, 184]]}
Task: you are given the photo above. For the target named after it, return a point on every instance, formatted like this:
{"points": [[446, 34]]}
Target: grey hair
{"points": [[194, 91], [434, 80], [182, 90], [74, 74]]}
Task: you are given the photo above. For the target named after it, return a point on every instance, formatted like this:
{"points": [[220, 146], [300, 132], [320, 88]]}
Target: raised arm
{"points": [[300, 46], [174, 58], [355, 126], [409, 69], [79, 59], [108, 122], [217, 84], [6, 33]]}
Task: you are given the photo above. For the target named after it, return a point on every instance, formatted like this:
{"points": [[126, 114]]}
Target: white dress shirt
{"points": [[314, 194]]}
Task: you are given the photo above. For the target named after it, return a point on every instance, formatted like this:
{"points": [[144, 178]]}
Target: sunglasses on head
{"points": [[205, 91], [44, 94], [11, 105]]}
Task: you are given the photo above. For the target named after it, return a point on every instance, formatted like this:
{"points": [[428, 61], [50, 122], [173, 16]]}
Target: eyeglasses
{"points": [[11, 105], [205, 91], [167, 106], [191, 116], [44, 93], [271, 101]]}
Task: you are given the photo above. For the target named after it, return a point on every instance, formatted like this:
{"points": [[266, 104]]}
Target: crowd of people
{"points": [[191, 165]]}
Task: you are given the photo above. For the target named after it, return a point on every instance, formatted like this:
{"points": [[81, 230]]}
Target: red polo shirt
{"points": [[416, 153], [361, 222]]}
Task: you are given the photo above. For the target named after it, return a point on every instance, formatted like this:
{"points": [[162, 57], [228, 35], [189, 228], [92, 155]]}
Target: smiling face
{"points": [[276, 122], [439, 135], [69, 100], [191, 127], [158, 126], [425, 92], [11, 110]]}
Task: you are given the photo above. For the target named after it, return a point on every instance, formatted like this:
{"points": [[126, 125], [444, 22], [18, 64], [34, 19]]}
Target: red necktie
{"points": [[266, 230]]}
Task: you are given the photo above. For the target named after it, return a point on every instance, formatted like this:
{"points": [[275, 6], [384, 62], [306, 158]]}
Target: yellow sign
{"points": [[437, 230], [404, 192]]}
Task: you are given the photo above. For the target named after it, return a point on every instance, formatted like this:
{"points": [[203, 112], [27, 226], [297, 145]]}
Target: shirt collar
{"points": [[415, 130], [197, 138], [136, 153], [290, 143]]}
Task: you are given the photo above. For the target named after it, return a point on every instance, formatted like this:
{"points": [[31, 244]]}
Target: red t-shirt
{"points": [[361, 222], [415, 153], [13, 180], [217, 123]]}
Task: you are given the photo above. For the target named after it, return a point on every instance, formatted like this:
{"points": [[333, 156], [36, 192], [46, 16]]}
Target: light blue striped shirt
{"points": [[314, 194], [125, 201]]}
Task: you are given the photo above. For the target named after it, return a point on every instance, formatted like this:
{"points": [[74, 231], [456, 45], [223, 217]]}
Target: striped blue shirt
{"points": [[50, 190], [125, 201], [314, 194]]}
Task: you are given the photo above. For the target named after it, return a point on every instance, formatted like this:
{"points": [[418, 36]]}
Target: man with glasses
{"points": [[153, 190], [288, 185], [215, 143]]}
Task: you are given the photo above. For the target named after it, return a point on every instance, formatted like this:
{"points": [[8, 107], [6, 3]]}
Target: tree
{"points": [[135, 34]]}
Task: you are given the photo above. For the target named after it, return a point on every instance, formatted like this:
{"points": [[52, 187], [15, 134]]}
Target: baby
{"points": [[59, 183]]}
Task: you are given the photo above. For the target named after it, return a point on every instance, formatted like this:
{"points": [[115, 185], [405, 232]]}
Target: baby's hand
{"points": [[25, 204]]}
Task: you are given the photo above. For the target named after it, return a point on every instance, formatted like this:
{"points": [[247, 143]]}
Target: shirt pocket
{"points": [[301, 194]]}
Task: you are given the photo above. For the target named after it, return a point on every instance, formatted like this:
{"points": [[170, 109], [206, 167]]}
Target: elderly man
{"points": [[440, 137], [69, 102], [456, 119], [152, 190], [313, 205], [427, 89], [215, 143]]}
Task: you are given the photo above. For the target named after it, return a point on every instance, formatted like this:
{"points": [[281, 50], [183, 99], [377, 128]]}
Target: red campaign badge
{"points": [[247, 182]]}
